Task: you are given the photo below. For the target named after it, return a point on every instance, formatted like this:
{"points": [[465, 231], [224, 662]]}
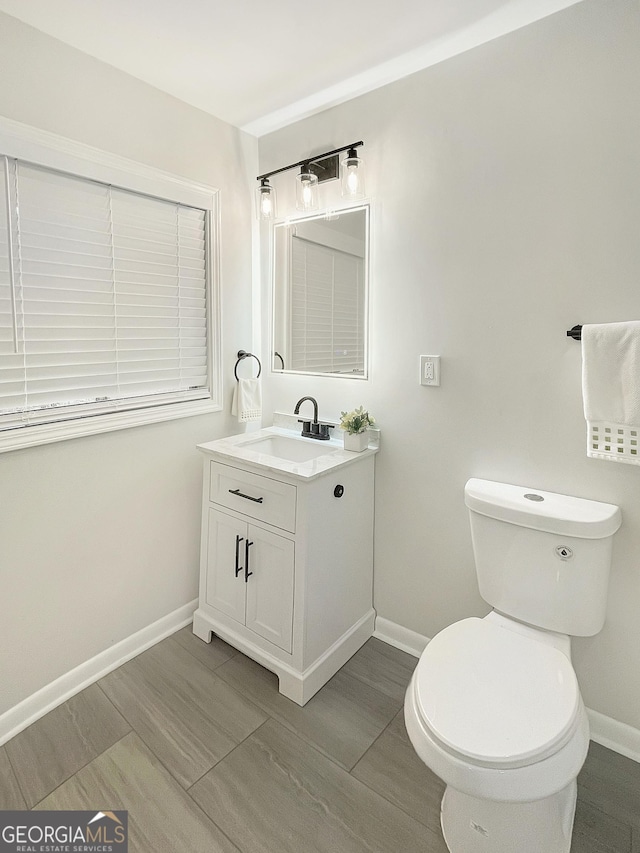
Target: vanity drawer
{"points": [[251, 494]]}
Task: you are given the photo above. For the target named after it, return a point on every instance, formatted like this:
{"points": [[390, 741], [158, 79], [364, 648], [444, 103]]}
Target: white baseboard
{"points": [[399, 637], [38, 704], [615, 735], [604, 730]]}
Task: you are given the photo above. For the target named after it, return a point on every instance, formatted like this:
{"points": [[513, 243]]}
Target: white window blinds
{"points": [[327, 309], [103, 298]]}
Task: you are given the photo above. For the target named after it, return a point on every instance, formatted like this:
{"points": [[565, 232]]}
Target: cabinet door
{"points": [[270, 587], [226, 538]]}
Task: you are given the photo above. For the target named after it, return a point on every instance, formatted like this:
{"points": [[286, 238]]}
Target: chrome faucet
{"points": [[312, 429]]}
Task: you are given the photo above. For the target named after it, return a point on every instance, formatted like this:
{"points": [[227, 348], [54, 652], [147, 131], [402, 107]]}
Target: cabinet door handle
{"points": [[248, 497], [247, 573], [238, 566]]}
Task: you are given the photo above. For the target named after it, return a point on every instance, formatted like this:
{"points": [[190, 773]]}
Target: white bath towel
{"points": [[247, 400], [611, 390]]}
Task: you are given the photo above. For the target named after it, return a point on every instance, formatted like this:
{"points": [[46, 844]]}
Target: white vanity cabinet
{"points": [[286, 569], [237, 551]]}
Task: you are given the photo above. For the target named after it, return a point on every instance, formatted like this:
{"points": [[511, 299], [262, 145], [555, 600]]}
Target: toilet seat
{"points": [[495, 698]]}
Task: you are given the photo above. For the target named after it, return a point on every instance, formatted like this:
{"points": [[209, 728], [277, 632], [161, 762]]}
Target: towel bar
{"points": [[241, 356], [575, 332]]}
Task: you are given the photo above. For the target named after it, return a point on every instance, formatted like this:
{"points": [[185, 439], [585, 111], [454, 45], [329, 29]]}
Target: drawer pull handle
{"points": [[247, 573], [248, 497], [238, 541]]}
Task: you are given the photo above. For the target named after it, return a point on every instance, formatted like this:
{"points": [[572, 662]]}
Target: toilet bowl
{"points": [[497, 714], [483, 713], [494, 706]]}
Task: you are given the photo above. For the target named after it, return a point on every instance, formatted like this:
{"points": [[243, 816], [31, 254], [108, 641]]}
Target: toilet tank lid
{"points": [[546, 511]]}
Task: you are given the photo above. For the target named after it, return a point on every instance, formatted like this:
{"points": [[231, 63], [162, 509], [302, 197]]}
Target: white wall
{"points": [[506, 187], [99, 536]]}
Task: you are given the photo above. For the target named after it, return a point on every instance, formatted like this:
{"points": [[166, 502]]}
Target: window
{"points": [[106, 299]]}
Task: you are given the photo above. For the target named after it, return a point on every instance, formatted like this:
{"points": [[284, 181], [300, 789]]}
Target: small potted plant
{"points": [[355, 425]]}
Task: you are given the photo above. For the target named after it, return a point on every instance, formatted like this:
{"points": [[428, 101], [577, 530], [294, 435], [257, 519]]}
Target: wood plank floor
{"points": [[195, 741]]}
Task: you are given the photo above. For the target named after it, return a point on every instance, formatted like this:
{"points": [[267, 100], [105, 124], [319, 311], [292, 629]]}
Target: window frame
{"points": [[46, 149]]}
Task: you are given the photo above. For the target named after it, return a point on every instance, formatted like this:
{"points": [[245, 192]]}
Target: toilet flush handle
{"points": [[564, 552]]}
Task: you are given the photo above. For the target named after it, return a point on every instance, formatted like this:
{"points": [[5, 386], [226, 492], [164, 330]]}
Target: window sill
{"points": [[31, 436]]}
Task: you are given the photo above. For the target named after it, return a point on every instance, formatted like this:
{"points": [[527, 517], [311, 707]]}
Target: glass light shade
{"points": [[265, 201], [306, 190], [353, 176]]}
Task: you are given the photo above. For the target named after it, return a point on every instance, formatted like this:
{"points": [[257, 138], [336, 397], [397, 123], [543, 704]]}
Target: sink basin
{"points": [[291, 449]]}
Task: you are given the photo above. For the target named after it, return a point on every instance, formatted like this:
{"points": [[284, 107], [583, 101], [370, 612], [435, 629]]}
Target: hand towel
{"points": [[247, 400], [611, 390]]}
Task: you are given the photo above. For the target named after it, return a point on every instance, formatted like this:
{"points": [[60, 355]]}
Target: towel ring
{"points": [[241, 356], [575, 332]]}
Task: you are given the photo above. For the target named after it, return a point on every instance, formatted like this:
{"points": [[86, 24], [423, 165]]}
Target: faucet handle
{"points": [[324, 430]]}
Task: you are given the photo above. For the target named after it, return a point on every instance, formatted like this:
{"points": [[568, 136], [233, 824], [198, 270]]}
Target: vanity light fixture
{"points": [[352, 175], [314, 171], [306, 189], [265, 200]]}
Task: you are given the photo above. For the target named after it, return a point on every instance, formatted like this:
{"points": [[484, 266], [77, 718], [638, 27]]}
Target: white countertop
{"points": [[238, 449]]}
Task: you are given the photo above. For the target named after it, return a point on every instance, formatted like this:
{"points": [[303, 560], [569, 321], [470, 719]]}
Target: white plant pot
{"points": [[357, 442]]}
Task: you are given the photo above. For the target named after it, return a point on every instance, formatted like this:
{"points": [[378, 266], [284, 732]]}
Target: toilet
{"points": [[494, 706]]}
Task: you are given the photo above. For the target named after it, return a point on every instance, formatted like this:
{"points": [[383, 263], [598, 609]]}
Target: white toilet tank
{"points": [[541, 557]]}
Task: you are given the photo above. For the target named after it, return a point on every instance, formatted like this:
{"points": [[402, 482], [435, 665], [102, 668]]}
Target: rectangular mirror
{"points": [[320, 294]]}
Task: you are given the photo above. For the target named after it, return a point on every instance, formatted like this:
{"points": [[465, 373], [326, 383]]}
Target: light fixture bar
{"points": [[309, 160]]}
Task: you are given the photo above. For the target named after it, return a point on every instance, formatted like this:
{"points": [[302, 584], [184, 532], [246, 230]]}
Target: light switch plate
{"points": [[430, 370]]}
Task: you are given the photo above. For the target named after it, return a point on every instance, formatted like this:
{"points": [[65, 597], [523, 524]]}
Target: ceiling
{"points": [[261, 64]]}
